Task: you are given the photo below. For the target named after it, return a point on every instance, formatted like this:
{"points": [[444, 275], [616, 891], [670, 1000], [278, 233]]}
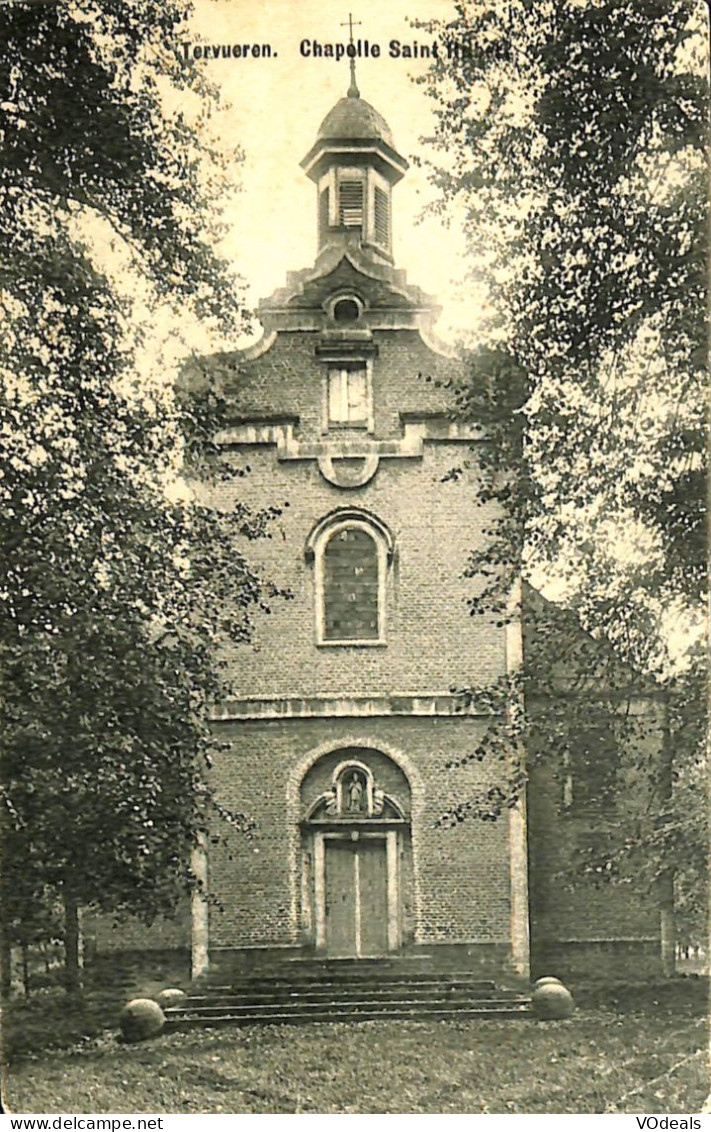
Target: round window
{"points": [[346, 310]]}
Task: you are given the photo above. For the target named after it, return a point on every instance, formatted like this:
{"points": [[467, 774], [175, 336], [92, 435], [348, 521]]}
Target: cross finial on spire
{"points": [[353, 91]]}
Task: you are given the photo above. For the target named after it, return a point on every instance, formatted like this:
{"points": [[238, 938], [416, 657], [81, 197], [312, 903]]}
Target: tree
{"points": [[117, 595], [572, 139]]}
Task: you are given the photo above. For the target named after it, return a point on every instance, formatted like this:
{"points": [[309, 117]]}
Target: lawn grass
{"points": [[633, 1057]]}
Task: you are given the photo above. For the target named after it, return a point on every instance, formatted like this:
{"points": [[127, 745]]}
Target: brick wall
{"points": [[102, 933], [455, 882], [568, 905], [432, 642], [460, 887], [288, 380]]}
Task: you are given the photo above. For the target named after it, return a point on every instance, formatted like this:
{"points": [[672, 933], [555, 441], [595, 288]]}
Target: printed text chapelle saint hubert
{"points": [[315, 49]]}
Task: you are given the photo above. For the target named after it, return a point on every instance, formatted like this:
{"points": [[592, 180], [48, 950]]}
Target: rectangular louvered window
{"points": [[350, 202], [347, 396], [382, 217], [323, 202]]}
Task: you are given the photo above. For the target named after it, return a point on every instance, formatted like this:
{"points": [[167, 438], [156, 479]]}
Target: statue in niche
{"points": [[355, 799]]}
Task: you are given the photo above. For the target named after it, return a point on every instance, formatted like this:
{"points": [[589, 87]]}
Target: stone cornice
{"points": [[329, 451], [346, 707], [289, 447], [362, 263], [400, 305]]}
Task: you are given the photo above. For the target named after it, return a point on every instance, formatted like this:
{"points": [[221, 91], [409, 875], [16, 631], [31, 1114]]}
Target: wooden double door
{"points": [[358, 897]]}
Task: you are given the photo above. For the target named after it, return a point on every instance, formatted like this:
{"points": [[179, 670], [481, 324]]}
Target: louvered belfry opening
{"points": [[354, 156], [323, 210], [350, 204], [382, 217]]}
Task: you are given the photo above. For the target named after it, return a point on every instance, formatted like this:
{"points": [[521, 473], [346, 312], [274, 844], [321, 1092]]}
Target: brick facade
{"points": [[306, 699], [461, 889], [580, 919], [454, 886], [432, 642]]}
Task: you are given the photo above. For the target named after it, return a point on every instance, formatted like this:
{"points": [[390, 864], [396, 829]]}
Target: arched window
{"points": [[351, 550], [350, 586]]}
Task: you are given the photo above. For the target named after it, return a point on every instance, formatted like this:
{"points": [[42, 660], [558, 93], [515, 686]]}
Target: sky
{"points": [[275, 108]]}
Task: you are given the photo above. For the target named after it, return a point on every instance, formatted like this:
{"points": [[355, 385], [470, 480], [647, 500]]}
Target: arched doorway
{"points": [[356, 854]]}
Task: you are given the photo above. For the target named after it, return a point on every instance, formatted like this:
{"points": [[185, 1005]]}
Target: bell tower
{"points": [[354, 165]]}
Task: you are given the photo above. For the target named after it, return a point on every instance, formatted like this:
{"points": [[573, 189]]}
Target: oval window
{"points": [[346, 310]]}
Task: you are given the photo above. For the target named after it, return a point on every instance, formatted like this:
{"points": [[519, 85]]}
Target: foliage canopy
{"points": [[572, 141], [117, 595]]}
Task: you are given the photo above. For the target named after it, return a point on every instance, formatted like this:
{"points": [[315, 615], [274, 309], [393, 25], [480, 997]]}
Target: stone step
{"points": [[355, 1001], [391, 959], [326, 993], [309, 968], [348, 979], [321, 990], [335, 1012]]}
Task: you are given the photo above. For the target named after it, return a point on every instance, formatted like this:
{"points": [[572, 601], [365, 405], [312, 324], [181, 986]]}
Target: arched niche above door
{"points": [[354, 795]]}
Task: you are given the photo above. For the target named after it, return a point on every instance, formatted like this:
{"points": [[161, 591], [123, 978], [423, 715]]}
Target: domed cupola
{"points": [[354, 164], [353, 117]]}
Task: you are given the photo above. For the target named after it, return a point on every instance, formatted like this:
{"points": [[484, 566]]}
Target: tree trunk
{"points": [[72, 963], [665, 887], [5, 964], [667, 925], [25, 969]]}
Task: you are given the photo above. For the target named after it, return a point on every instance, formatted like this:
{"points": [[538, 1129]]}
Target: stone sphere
{"points": [[552, 1001], [548, 979], [141, 1018], [171, 996]]}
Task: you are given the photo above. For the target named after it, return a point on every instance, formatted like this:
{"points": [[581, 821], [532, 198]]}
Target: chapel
{"points": [[344, 720], [345, 739]]}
